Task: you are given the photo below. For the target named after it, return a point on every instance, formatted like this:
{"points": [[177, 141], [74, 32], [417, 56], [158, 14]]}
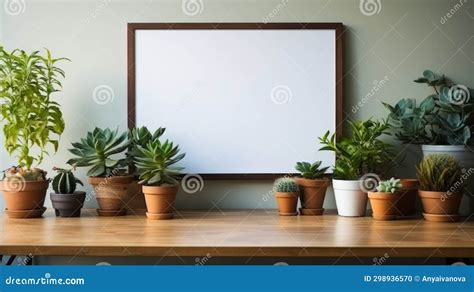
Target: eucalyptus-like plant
{"points": [[439, 173], [32, 120], [443, 117], [362, 153], [311, 170], [99, 150], [155, 162]]}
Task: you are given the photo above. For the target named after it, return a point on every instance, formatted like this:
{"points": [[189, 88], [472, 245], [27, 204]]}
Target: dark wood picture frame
{"points": [[131, 89]]}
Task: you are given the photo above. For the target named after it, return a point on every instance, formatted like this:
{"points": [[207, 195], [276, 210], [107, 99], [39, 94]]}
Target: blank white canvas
{"points": [[238, 101]]}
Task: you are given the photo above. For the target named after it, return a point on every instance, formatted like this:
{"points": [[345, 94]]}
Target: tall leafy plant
{"points": [[363, 152], [32, 120]]}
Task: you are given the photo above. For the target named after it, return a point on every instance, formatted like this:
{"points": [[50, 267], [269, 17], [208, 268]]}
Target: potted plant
{"points": [[286, 193], [313, 186], [441, 187], [107, 173], [358, 160], [442, 123], [385, 200], [154, 164], [67, 202], [32, 123]]}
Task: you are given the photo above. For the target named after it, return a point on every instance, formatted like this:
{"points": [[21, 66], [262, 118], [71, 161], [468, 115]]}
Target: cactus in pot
{"points": [[286, 192], [386, 199], [67, 202]]}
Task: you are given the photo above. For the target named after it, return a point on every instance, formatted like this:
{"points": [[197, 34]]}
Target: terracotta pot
{"points": [[24, 195], [440, 203], [136, 198], [68, 205], [160, 201], [407, 203], [287, 202], [384, 205], [111, 194], [312, 193]]}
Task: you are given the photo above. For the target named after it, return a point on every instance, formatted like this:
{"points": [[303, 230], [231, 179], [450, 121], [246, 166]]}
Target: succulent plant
{"points": [[363, 153], [444, 117], [154, 162], [439, 173], [389, 186], [65, 182], [285, 185], [311, 171], [34, 174], [97, 151]]}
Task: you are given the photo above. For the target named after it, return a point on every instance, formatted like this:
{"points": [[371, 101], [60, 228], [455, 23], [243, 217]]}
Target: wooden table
{"points": [[256, 233]]}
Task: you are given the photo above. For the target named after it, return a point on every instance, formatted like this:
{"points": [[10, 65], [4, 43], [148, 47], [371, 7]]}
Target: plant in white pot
{"points": [[443, 123], [358, 158], [32, 123]]}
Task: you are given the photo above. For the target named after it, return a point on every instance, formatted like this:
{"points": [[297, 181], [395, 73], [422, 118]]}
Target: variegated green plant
{"points": [[389, 186], [32, 120], [311, 170], [101, 150], [439, 173]]}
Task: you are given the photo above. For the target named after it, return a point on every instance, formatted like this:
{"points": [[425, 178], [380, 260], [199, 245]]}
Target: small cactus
{"points": [[389, 186], [285, 185], [65, 181]]}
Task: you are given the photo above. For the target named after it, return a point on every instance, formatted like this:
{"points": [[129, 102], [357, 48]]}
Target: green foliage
{"points": [[389, 186], [65, 182], [154, 161], [363, 153], [439, 173], [97, 151], [21, 173], [444, 117], [140, 137], [311, 171], [31, 118], [285, 185]]}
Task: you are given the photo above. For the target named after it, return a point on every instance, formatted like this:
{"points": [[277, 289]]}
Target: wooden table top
{"points": [[234, 233]]}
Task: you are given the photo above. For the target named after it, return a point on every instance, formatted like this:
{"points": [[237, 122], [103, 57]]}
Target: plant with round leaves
{"points": [[311, 170], [389, 186], [65, 182], [155, 162], [285, 185], [99, 150], [32, 119], [439, 173]]}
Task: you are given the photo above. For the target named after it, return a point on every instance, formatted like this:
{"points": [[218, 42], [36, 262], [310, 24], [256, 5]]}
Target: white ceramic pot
{"points": [[351, 200], [465, 156]]}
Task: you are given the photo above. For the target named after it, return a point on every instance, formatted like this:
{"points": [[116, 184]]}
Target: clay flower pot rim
{"points": [[116, 179], [28, 185], [286, 194], [380, 194]]}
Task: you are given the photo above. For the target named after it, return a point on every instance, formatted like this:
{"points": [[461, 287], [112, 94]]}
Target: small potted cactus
{"points": [[286, 193], [384, 200], [67, 202], [313, 186], [441, 187]]}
